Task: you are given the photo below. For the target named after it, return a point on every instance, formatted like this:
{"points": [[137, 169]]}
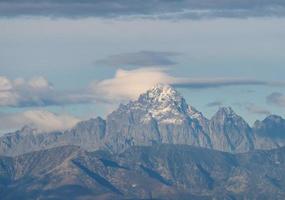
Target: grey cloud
{"points": [[216, 82], [138, 59], [215, 104], [254, 109], [194, 9], [276, 98]]}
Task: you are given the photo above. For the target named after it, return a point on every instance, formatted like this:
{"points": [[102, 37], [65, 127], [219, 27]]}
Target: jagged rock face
{"points": [[125, 128], [88, 134], [153, 172], [161, 115], [26, 140], [270, 133], [229, 132], [272, 126]]}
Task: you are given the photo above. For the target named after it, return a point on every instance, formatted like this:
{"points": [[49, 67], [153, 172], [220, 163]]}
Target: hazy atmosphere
{"points": [[142, 99]]}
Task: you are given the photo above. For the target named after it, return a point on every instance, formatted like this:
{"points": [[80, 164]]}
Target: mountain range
{"points": [[159, 116], [156, 147], [163, 171]]}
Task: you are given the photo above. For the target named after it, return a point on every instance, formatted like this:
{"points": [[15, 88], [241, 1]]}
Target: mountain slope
{"points": [[161, 115], [159, 171], [88, 134], [270, 132], [229, 132]]}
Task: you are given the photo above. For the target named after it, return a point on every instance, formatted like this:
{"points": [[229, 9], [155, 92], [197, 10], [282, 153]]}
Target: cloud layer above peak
{"points": [[194, 9], [129, 84]]}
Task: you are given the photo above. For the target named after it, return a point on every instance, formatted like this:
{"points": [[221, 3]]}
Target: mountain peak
{"points": [[225, 113], [163, 103], [161, 93], [273, 118], [272, 126]]}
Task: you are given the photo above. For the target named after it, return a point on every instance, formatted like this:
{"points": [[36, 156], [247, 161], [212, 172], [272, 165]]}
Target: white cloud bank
{"points": [[41, 120], [36, 92], [129, 84], [24, 92]]}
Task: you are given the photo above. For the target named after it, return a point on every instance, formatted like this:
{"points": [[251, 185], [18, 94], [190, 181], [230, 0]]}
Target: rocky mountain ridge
{"points": [[159, 116], [143, 172]]}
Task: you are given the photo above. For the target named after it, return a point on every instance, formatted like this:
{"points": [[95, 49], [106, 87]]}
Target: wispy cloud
{"points": [[193, 9], [216, 82], [276, 98], [138, 59]]}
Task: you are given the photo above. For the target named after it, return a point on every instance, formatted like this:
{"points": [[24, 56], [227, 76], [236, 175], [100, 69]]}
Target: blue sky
{"points": [[72, 63]]}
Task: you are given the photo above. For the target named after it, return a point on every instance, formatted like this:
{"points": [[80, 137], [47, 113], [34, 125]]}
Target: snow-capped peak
{"points": [[161, 94], [163, 99], [163, 103]]}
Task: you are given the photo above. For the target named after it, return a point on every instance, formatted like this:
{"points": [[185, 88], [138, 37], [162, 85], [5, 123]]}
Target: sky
{"points": [[66, 61]]}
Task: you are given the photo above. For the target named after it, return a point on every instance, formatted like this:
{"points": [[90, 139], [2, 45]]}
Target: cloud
{"points": [[141, 58], [20, 92], [41, 120], [36, 92], [215, 104], [254, 109], [193, 9], [129, 84], [276, 98], [125, 85], [216, 82]]}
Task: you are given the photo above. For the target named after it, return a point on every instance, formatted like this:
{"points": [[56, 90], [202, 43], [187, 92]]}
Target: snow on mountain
{"points": [[160, 115], [165, 104]]}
